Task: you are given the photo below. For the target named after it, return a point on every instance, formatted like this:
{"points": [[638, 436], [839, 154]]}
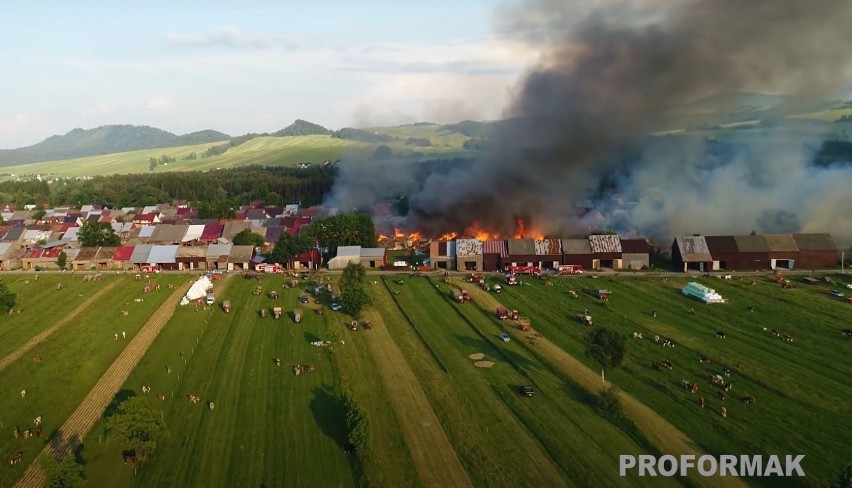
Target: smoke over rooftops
{"points": [[609, 77]]}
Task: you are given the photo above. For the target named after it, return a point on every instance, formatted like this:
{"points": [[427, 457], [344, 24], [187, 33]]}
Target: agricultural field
{"points": [[801, 387], [437, 385], [62, 367], [267, 151]]}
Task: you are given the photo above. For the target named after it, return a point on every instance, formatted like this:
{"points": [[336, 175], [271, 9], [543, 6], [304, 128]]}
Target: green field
{"points": [[436, 419], [267, 151]]}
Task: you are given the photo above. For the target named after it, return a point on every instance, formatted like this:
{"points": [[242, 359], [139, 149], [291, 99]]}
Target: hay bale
{"points": [[483, 364], [476, 356]]}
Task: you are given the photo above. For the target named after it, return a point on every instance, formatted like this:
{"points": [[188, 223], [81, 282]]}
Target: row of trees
{"points": [[229, 187]]}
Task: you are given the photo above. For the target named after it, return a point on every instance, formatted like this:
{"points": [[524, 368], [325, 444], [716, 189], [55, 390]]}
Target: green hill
{"points": [[106, 139]]}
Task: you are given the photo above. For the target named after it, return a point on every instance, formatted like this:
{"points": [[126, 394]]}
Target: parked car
{"points": [[526, 391], [304, 299], [505, 337], [837, 293], [335, 306]]}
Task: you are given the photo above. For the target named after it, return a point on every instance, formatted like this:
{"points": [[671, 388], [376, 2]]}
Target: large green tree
{"points": [[7, 298], [93, 234], [62, 260], [288, 248], [342, 230], [607, 347], [246, 237], [136, 425], [353, 294], [65, 474]]}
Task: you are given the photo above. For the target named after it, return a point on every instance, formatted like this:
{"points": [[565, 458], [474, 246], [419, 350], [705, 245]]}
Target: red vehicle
{"points": [[511, 279], [502, 313], [571, 269], [269, 268], [530, 270]]}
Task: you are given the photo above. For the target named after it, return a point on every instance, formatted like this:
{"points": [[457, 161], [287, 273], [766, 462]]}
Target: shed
{"points": [[816, 251], [218, 255], [193, 233], [724, 251], [549, 252], [753, 252], [439, 255], [577, 251], [345, 255], [140, 255], [521, 253], [782, 249], [469, 255], [191, 257], [233, 228], [104, 258], [169, 234], [635, 253], [691, 252], [163, 256], [122, 255], [373, 257], [84, 259], [240, 258], [493, 252], [212, 232], [9, 256], [606, 251]]}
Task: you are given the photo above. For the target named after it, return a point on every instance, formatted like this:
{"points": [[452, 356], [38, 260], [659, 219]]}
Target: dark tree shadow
{"points": [[329, 412], [311, 337], [117, 400]]}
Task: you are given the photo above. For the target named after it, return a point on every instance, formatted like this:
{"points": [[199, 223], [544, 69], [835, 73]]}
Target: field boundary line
{"points": [[33, 342], [659, 431], [434, 456], [413, 326], [72, 432]]}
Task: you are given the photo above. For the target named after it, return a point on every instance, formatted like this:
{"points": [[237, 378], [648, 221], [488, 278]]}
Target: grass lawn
{"points": [[539, 435], [270, 427], [798, 385], [73, 359]]}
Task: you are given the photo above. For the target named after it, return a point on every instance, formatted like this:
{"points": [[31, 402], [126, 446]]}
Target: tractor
{"points": [[585, 318]]}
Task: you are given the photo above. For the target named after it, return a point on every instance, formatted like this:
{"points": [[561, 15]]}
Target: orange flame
{"points": [[415, 236], [449, 236], [397, 233], [383, 237]]}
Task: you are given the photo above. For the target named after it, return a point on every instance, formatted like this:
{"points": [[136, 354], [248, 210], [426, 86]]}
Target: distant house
{"points": [[239, 259], [692, 252], [191, 257], [635, 254], [217, 256], [816, 251], [548, 252], [521, 253]]}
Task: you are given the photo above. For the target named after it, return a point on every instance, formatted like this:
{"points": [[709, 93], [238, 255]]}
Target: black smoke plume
{"points": [[612, 74]]}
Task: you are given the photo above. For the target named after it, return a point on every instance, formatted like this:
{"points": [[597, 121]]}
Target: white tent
{"points": [[198, 289]]}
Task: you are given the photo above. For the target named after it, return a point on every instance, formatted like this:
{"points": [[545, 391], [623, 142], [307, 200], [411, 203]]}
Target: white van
{"points": [[211, 298]]}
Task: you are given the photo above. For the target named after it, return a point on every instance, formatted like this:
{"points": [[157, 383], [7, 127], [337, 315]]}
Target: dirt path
{"points": [[434, 456], [664, 435], [74, 429], [17, 353]]}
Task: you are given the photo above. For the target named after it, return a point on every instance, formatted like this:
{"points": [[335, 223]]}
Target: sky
{"points": [[252, 66]]}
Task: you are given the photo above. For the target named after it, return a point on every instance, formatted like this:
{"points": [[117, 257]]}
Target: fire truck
{"points": [[571, 269], [530, 270]]}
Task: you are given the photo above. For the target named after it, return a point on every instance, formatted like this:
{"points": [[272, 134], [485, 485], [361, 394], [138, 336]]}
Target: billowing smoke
{"points": [[613, 73]]}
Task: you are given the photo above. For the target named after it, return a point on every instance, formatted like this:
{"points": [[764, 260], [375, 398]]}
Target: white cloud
{"points": [[231, 37], [159, 104]]}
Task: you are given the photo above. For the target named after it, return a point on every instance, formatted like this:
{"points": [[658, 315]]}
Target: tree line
{"points": [[218, 189]]}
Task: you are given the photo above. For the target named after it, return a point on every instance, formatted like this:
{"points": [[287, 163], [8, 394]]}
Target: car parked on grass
{"points": [[304, 299], [526, 391], [336, 307], [505, 337]]}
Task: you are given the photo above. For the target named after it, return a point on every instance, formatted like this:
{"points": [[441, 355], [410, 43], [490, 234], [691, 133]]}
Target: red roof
{"points": [[212, 232], [52, 252], [184, 211], [313, 256], [294, 230], [123, 253], [33, 253], [309, 212], [148, 217]]}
